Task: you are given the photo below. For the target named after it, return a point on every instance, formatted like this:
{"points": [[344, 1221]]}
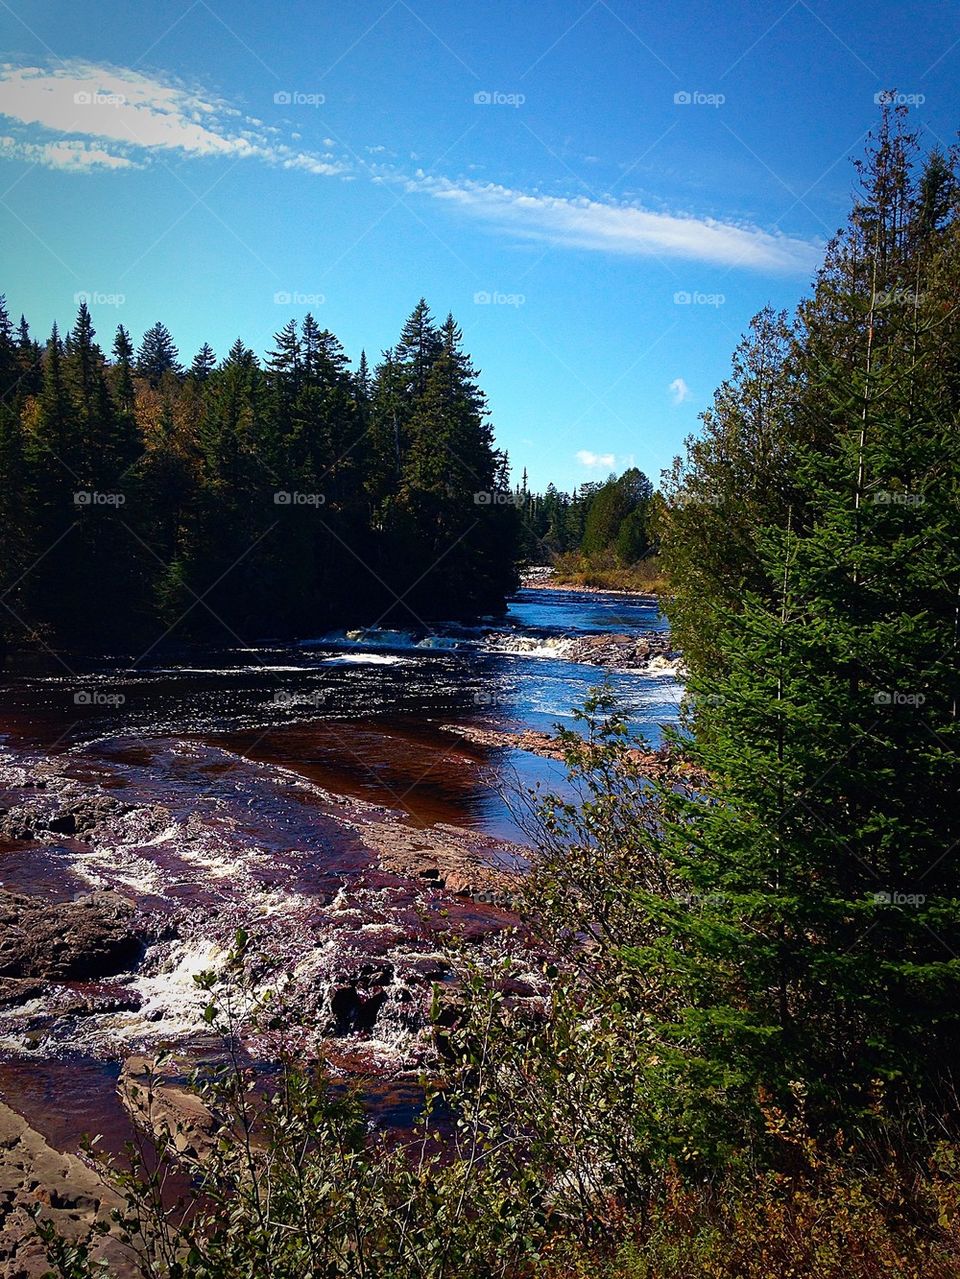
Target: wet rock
{"points": [[625, 651], [95, 936], [94, 1000], [17, 823], [444, 857], [353, 1011], [58, 808], [650, 651], [82, 817], [15, 991]]}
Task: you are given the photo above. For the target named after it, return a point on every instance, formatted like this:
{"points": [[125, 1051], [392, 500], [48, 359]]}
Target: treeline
{"points": [[244, 498], [613, 521]]}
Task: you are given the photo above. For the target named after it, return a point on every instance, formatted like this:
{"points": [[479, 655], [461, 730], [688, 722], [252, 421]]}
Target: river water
{"points": [[364, 712], [254, 787]]}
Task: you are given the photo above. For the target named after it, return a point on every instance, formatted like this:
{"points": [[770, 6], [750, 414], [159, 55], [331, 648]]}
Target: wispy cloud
{"points": [[621, 228], [72, 154], [679, 390], [136, 118], [596, 461]]}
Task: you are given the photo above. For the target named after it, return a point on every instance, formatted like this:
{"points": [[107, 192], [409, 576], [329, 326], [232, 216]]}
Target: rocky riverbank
{"points": [[66, 1192], [128, 871], [651, 653], [546, 578]]}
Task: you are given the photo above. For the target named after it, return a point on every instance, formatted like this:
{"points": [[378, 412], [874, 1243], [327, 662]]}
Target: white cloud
{"points": [[71, 155], [134, 117], [325, 166], [596, 461], [118, 105], [621, 228], [679, 390]]}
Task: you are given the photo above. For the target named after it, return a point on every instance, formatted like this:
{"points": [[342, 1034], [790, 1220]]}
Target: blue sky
{"points": [[528, 167]]}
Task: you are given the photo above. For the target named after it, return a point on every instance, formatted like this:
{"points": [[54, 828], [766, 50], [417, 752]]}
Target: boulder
{"points": [[94, 936]]}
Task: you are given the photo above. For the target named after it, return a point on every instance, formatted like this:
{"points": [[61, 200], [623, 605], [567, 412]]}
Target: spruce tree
{"points": [[158, 356], [816, 944], [204, 362]]}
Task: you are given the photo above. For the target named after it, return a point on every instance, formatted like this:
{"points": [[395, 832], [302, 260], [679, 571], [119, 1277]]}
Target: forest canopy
{"points": [[244, 498]]}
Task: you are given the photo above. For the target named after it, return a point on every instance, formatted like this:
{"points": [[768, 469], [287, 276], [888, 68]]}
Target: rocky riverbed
{"points": [[142, 895], [139, 883], [340, 801]]}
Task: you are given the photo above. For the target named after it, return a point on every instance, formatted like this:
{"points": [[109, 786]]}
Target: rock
{"points": [[72, 1196], [93, 1000], [160, 1102], [95, 936], [354, 1011], [69, 812], [15, 991], [442, 857], [82, 817], [626, 651]]}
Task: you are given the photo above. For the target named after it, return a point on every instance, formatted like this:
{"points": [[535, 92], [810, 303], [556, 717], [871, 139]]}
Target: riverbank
{"points": [[572, 574]]}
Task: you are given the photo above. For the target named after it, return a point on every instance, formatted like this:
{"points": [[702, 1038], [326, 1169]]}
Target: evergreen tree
{"points": [[204, 362], [145, 488], [124, 390], [816, 944], [158, 356]]}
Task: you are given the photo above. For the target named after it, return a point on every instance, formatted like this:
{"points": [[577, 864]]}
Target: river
{"points": [[308, 792]]}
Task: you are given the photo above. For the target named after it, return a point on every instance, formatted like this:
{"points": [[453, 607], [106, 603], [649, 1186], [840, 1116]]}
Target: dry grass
{"points": [[644, 577]]}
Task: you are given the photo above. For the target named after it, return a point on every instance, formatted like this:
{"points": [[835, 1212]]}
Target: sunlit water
{"points": [[366, 712]]}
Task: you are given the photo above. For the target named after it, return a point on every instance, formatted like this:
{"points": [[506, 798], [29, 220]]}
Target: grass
{"points": [[644, 577]]}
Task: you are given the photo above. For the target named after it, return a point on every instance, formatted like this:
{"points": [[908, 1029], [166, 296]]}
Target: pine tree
{"points": [[204, 362], [124, 390], [30, 360], [158, 356], [817, 945], [419, 347], [187, 470]]}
